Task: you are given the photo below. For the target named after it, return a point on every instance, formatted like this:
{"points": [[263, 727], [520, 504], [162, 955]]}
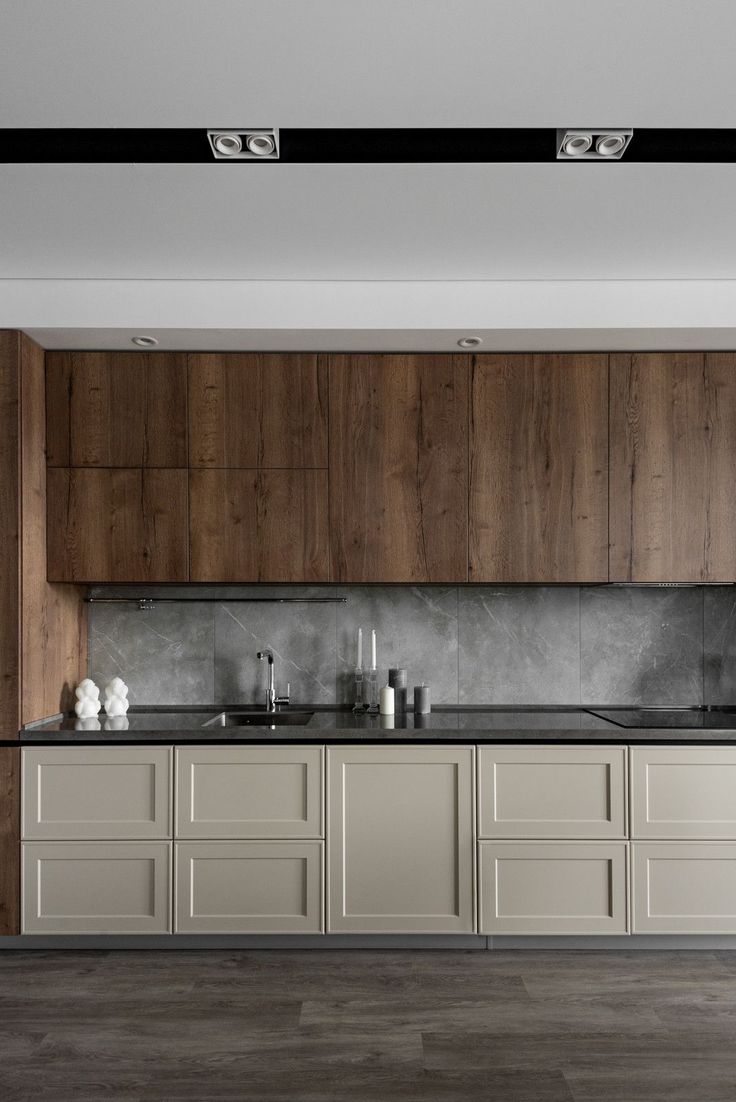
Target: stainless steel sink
{"points": [[259, 719]]}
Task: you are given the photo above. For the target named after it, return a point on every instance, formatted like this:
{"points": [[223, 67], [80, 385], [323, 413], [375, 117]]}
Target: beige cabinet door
{"points": [[96, 888], [552, 888], [400, 839], [683, 792], [249, 791], [684, 888], [96, 792], [552, 792], [249, 887]]}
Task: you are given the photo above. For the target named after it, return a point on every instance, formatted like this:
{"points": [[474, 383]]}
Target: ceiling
{"points": [[360, 63]]}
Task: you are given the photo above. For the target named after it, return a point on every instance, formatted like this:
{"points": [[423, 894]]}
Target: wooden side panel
{"points": [[673, 457], [10, 512], [538, 468], [9, 839], [258, 410], [116, 409], [117, 525], [399, 468], [258, 526], [53, 618]]}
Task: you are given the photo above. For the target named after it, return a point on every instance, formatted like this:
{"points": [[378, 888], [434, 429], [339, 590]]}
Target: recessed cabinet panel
{"points": [[249, 791], [399, 468], [116, 409], [684, 888], [551, 792], [400, 836], [97, 792], [673, 454], [552, 888], [258, 410], [539, 468], [258, 526], [249, 887], [96, 888], [120, 525], [683, 792]]}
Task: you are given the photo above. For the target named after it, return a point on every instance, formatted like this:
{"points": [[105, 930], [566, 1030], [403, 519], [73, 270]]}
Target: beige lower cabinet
{"points": [[683, 792], [552, 791], [400, 839], [552, 887], [249, 887], [96, 792], [96, 888], [249, 791], [684, 887]]}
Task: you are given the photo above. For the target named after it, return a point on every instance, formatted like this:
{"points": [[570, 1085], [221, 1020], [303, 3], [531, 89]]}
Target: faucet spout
{"points": [[272, 700]]}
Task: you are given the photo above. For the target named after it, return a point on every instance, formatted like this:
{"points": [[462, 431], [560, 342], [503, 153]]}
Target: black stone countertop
{"points": [[332, 725]]}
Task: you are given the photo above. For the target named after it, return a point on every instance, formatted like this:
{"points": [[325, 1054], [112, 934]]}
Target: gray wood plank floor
{"points": [[318, 1026]]}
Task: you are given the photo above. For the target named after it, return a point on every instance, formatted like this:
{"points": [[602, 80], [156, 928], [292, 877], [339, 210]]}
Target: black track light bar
{"points": [[357, 146]]}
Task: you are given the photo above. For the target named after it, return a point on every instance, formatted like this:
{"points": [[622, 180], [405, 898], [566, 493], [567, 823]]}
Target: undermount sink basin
{"points": [[259, 719]]}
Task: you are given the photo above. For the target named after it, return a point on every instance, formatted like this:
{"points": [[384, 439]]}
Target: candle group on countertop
{"points": [[392, 698]]}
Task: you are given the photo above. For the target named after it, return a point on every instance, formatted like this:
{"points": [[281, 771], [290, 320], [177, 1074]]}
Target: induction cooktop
{"points": [[705, 715]]}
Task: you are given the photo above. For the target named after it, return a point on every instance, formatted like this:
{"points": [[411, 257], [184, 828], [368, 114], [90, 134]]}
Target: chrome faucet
{"points": [[272, 701]]}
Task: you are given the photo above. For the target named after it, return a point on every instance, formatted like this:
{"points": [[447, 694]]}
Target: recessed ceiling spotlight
{"points": [[470, 342], [145, 342], [592, 144], [247, 144]]}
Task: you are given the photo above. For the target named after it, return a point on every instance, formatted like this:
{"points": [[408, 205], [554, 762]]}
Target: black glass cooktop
{"points": [[707, 715]]}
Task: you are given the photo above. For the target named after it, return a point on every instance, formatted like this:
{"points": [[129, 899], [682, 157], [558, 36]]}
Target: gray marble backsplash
{"points": [[472, 644]]}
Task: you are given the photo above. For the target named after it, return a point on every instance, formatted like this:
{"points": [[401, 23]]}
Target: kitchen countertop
{"points": [[332, 725]]}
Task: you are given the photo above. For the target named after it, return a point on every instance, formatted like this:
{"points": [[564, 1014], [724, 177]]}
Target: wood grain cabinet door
{"points": [[116, 409], [398, 468], [400, 839], [117, 525], [258, 526], [539, 468], [257, 410], [673, 467]]}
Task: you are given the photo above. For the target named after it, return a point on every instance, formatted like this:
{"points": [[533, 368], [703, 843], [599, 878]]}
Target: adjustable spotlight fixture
{"points": [[245, 145], [593, 144]]}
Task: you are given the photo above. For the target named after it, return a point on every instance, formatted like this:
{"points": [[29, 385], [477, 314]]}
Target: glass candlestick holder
{"points": [[359, 686], [371, 691]]}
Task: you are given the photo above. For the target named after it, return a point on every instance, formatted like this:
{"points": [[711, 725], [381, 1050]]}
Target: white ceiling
{"points": [[363, 63]]}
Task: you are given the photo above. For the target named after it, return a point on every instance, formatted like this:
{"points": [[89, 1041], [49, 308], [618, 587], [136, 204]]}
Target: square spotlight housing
{"points": [[592, 136], [244, 143]]}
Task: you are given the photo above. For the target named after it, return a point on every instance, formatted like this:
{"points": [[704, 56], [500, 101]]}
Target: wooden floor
{"points": [[318, 1026]]}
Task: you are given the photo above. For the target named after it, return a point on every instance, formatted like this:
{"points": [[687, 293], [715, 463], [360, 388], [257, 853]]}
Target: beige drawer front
{"points": [[552, 792], [96, 888], [249, 887], [552, 888], [683, 792], [249, 791], [683, 887], [97, 793]]}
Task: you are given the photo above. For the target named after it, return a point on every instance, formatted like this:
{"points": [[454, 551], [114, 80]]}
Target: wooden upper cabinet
{"points": [[108, 525], [399, 468], [539, 468], [116, 409], [257, 410], [258, 526], [673, 467]]}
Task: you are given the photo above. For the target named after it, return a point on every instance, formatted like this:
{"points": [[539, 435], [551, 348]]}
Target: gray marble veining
{"points": [[641, 646], [416, 628], [165, 655], [719, 641], [519, 645]]}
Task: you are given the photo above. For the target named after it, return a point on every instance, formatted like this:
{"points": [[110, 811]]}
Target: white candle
{"points": [[387, 701], [360, 649], [373, 649]]}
